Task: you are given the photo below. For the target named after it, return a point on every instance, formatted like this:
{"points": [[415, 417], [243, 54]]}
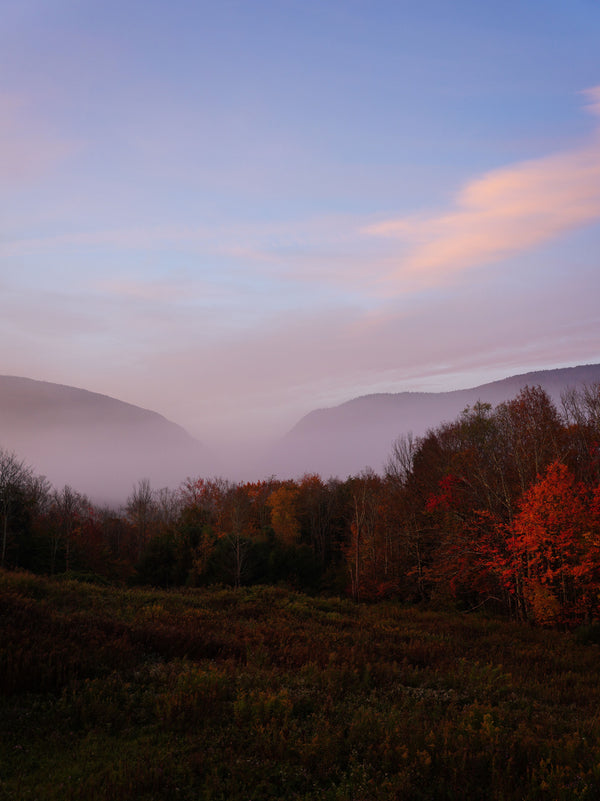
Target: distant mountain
{"points": [[342, 440], [95, 443]]}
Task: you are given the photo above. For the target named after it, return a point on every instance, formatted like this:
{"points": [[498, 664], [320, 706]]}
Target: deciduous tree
{"points": [[15, 479], [555, 548]]}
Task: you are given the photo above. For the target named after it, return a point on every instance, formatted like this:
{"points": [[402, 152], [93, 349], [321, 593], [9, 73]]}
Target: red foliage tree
{"points": [[554, 565]]}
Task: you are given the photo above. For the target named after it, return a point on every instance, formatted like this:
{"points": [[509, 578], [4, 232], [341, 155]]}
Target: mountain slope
{"points": [[95, 443], [344, 439]]}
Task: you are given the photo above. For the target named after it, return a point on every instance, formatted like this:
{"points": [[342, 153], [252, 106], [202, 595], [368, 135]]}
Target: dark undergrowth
{"points": [[266, 694]]}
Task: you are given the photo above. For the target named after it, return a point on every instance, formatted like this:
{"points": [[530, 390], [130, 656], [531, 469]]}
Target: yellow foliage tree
{"points": [[284, 516]]}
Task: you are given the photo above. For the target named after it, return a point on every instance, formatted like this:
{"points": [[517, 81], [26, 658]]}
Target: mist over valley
{"points": [[94, 443], [102, 446]]}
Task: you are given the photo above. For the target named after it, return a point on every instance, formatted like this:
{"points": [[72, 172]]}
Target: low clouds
{"points": [[505, 211]]}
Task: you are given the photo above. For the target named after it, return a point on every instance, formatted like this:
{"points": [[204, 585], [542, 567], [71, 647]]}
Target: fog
{"points": [[104, 462], [96, 444], [103, 447]]}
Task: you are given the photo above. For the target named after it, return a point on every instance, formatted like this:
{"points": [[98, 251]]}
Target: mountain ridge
{"points": [[102, 446], [576, 372], [94, 442], [344, 439]]}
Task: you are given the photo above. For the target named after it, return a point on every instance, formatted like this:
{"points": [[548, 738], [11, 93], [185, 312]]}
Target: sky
{"points": [[235, 212]]}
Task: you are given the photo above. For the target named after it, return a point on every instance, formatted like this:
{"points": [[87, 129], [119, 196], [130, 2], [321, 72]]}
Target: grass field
{"points": [[109, 693]]}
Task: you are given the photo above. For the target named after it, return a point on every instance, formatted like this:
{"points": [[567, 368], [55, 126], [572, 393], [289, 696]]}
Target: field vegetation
{"points": [[262, 692]]}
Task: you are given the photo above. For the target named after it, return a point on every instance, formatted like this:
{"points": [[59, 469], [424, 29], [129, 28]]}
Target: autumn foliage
{"points": [[498, 509], [554, 547]]}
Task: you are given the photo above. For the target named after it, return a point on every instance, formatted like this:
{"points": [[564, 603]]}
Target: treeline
{"points": [[499, 508]]}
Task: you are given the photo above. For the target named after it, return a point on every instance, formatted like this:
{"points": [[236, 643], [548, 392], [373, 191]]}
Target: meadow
{"points": [[264, 693]]}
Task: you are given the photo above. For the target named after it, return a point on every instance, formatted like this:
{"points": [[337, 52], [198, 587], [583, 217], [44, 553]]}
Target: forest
{"points": [[498, 509], [431, 633]]}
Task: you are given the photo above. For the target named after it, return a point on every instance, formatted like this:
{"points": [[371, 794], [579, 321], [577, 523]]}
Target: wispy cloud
{"points": [[325, 250], [503, 212], [145, 291]]}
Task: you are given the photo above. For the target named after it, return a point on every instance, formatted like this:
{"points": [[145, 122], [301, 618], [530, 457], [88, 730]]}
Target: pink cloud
{"points": [[503, 212]]}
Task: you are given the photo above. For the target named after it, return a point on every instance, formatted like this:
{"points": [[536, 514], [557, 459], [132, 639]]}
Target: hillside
{"points": [[344, 439], [95, 443]]}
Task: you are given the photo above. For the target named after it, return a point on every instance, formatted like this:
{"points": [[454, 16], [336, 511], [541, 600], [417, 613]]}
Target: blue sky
{"points": [[235, 212]]}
